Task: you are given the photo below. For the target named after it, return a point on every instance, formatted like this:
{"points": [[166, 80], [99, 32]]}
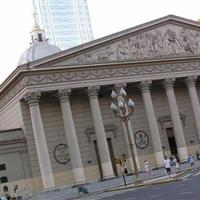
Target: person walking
{"points": [[176, 163], [197, 155], [147, 167], [167, 164], [191, 162]]}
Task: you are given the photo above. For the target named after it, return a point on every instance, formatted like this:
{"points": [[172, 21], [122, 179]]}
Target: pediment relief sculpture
{"points": [[163, 42]]}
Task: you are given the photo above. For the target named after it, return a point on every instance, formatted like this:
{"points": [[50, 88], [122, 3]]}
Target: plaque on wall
{"points": [[61, 154], [141, 139]]}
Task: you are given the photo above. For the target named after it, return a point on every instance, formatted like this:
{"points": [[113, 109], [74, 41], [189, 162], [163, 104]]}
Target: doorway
{"points": [[172, 141], [111, 157]]}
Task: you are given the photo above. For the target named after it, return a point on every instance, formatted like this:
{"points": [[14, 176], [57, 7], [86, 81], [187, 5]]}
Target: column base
{"points": [[182, 153], [159, 158], [79, 175], [107, 170]]}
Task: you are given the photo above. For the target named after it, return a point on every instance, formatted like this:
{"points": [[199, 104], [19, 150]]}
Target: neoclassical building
{"points": [[56, 125]]}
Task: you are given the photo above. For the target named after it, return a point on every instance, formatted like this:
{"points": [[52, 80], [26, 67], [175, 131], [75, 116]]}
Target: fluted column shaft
{"points": [[176, 121], [191, 81], [41, 145], [152, 122], [100, 133], [72, 141]]}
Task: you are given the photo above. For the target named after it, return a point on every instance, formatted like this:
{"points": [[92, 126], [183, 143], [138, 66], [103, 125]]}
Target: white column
{"points": [[32, 99], [176, 121], [190, 82], [151, 118], [72, 141], [102, 144]]}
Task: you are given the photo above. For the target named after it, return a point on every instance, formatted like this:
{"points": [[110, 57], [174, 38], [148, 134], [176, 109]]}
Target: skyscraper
{"points": [[66, 22]]}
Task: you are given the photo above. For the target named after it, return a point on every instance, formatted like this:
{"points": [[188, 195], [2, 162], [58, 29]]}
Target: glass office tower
{"points": [[66, 22]]}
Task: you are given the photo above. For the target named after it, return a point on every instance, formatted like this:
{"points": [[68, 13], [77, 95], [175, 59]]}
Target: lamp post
{"points": [[123, 108]]}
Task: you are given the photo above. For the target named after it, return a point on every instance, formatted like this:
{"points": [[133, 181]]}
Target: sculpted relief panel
{"points": [[167, 41]]}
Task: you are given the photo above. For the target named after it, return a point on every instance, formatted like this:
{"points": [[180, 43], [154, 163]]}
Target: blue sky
{"points": [[107, 16]]}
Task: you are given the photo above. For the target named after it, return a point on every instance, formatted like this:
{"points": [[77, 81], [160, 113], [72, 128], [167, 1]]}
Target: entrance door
{"points": [[98, 159], [111, 156], [172, 141]]}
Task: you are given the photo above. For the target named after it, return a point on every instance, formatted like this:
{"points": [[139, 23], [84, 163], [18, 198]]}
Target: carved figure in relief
{"points": [[85, 58], [197, 42], [123, 51], [188, 41], [143, 46], [157, 44], [133, 45], [104, 54], [171, 43]]}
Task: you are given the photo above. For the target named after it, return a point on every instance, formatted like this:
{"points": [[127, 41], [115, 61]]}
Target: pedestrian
{"points": [[6, 192], [191, 162], [147, 167], [176, 163], [198, 155], [167, 164]]}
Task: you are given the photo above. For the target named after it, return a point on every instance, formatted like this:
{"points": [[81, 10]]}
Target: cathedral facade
{"points": [[56, 125]]}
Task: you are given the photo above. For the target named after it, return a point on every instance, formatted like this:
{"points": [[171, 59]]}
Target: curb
{"points": [[144, 185]]}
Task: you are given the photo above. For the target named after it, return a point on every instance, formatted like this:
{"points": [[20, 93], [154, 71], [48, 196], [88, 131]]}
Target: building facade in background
{"points": [[56, 125], [66, 22]]}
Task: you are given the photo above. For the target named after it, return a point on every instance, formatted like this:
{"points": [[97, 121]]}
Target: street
{"points": [[187, 189]]}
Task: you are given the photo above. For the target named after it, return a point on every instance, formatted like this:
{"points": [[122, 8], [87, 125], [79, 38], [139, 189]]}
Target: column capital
{"points": [[93, 91], [191, 81], [32, 98], [145, 86], [169, 83], [64, 94]]}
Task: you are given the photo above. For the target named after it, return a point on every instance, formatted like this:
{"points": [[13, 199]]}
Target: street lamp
{"points": [[123, 108]]}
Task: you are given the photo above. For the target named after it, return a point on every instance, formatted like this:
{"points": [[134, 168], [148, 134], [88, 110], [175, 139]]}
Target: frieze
{"points": [[163, 42], [13, 91], [94, 74]]}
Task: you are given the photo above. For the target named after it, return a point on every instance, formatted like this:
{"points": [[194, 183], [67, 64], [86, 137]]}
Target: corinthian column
{"points": [[176, 121], [151, 118], [190, 82], [72, 141], [32, 98], [100, 133]]}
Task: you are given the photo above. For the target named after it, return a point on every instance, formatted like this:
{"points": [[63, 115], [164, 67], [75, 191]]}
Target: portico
{"points": [[63, 104]]}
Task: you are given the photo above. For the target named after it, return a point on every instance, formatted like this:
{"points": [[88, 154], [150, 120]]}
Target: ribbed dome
{"points": [[37, 51]]}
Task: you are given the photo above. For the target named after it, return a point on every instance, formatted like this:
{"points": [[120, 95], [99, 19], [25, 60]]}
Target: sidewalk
{"points": [[157, 176]]}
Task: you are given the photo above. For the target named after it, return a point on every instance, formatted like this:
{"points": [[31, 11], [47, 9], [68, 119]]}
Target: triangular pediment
{"points": [[167, 37]]}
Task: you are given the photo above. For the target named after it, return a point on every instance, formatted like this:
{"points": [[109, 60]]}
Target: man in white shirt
{"points": [[167, 164]]}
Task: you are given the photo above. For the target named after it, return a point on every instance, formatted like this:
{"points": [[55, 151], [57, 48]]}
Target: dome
{"points": [[39, 48], [37, 51]]}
